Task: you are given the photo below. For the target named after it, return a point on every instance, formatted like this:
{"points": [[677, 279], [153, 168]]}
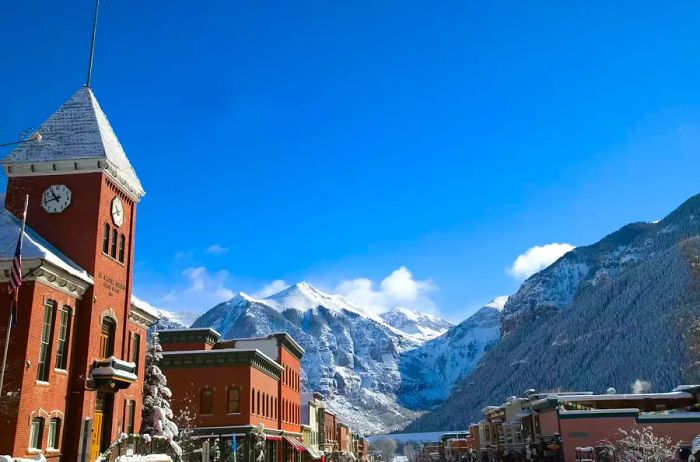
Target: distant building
{"points": [[312, 413], [554, 425], [231, 386]]}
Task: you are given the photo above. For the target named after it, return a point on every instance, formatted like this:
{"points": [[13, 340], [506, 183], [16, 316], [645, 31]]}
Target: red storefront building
{"points": [[231, 387], [76, 354]]}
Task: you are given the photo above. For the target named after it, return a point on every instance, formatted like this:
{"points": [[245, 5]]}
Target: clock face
{"points": [[56, 198], [117, 211]]}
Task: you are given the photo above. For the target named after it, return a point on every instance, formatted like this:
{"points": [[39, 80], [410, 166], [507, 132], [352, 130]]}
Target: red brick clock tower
{"points": [[83, 194]]}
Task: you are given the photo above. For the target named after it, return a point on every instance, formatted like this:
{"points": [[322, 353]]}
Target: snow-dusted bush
{"points": [[641, 445], [156, 416]]}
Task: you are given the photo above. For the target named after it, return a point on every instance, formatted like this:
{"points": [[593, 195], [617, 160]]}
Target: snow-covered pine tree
{"points": [[156, 416]]}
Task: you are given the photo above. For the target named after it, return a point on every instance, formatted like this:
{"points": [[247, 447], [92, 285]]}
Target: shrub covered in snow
{"points": [[641, 445]]}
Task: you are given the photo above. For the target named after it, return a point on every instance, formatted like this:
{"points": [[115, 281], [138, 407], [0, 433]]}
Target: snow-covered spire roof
{"points": [[76, 137]]}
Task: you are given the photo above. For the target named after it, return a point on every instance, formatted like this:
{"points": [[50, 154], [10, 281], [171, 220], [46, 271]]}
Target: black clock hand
{"points": [[54, 195]]}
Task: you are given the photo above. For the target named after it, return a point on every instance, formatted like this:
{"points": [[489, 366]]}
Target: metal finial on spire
{"points": [[92, 43]]}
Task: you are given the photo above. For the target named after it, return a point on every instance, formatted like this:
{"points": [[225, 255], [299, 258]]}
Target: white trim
{"points": [[77, 166]]}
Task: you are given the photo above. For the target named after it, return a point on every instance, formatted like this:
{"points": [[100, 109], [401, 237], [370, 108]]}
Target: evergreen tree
{"points": [[156, 416]]}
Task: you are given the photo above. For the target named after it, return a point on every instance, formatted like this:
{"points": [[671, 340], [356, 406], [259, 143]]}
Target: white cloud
{"points": [[200, 290], [537, 258], [271, 288], [216, 249], [398, 288]]}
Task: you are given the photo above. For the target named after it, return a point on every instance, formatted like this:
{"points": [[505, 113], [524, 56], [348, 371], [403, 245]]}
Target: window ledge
{"points": [[233, 413], [115, 260], [61, 371], [33, 451], [42, 383], [52, 451]]}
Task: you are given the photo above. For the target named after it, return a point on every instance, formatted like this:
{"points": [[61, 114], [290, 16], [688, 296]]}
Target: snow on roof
{"points": [[77, 130], [144, 306], [34, 246], [626, 396]]}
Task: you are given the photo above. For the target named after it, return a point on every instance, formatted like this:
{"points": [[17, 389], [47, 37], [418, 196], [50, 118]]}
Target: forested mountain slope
{"points": [[625, 308]]}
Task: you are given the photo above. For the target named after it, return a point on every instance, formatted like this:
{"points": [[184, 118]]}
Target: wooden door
{"points": [[96, 436]]}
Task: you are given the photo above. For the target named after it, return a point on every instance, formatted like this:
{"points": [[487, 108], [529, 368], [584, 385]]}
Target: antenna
{"points": [[92, 43]]}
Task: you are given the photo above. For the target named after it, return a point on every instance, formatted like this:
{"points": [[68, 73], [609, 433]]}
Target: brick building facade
{"points": [[231, 387], [76, 354]]}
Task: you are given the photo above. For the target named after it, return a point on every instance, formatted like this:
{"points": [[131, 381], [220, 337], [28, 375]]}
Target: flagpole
{"points": [[9, 317]]}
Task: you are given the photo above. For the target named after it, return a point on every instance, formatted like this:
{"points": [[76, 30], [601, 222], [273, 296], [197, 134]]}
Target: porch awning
{"points": [[295, 443], [524, 413], [314, 453]]}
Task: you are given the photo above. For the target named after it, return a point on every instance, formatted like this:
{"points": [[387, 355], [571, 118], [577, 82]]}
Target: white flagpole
{"points": [[9, 317]]}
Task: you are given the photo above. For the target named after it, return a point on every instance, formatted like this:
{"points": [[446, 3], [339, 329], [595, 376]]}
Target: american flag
{"points": [[16, 276]]}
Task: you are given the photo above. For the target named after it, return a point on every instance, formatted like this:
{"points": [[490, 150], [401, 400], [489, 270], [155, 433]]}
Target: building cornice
{"points": [[219, 358], [141, 317], [86, 165], [191, 335], [46, 273]]}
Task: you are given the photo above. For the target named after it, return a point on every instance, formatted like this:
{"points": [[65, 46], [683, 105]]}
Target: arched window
{"points": [[206, 401], [107, 337], [36, 433], [258, 403], [42, 370], [105, 238], [264, 405], [54, 433], [122, 242], [113, 247], [63, 338], [252, 401]]}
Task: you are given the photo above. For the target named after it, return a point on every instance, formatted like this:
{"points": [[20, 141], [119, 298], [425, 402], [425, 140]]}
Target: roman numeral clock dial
{"points": [[56, 198]]}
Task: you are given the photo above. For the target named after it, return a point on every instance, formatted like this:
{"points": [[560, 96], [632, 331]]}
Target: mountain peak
{"points": [[498, 303], [303, 296], [421, 326]]}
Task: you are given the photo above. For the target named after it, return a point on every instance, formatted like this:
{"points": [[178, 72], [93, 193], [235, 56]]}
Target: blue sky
{"points": [[339, 142]]}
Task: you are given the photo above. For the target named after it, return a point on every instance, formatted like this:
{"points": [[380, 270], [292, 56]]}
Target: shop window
{"points": [[107, 338], [234, 400], [36, 433], [105, 238], [63, 337], [54, 433], [206, 401], [42, 372]]}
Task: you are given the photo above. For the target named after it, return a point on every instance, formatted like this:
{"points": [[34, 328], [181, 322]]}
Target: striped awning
{"points": [[295, 443]]}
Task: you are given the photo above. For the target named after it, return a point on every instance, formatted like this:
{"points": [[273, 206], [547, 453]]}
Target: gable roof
{"points": [[34, 246], [78, 130]]}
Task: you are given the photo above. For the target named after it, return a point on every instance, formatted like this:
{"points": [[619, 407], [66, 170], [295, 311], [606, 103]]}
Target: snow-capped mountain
{"points": [[350, 356], [420, 326], [430, 371], [626, 308]]}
